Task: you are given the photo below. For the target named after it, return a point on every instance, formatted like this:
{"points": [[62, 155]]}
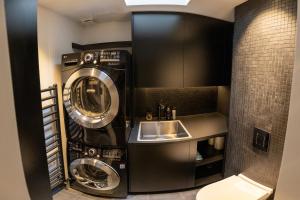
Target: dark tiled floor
{"points": [[75, 195]]}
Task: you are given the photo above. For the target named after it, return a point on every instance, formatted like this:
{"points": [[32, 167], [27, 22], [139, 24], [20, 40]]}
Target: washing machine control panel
{"points": [[112, 153], [109, 56], [89, 58], [75, 147], [92, 152]]}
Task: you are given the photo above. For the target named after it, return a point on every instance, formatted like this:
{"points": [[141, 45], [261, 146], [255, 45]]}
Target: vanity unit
{"points": [[170, 163], [178, 50]]}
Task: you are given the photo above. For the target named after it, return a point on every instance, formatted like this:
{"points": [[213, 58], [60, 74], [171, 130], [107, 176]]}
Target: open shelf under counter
{"points": [[209, 160], [208, 180], [211, 167], [208, 152]]}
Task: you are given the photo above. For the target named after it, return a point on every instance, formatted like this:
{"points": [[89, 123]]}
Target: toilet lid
{"points": [[232, 188]]}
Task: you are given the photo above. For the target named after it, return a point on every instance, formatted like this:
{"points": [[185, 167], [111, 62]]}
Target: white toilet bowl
{"points": [[234, 188]]}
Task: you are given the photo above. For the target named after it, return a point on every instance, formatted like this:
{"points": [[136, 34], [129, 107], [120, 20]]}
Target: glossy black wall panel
{"points": [[157, 44], [21, 21]]}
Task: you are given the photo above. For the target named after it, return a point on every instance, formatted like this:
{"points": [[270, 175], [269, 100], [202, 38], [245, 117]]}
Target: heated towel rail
{"points": [[52, 131]]}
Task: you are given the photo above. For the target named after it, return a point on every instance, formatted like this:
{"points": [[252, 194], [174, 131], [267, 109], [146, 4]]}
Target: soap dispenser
{"points": [[168, 113], [161, 111]]}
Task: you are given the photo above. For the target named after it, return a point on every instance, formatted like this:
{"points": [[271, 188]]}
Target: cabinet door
{"points": [[204, 51], [158, 49], [227, 33], [161, 167]]}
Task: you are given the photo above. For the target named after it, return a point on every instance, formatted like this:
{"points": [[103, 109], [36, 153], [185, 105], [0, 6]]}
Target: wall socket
{"points": [[261, 140]]}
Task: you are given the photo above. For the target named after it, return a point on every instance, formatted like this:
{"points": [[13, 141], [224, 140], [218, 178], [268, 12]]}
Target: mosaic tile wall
{"points": [[188, 101], [263, 60]]}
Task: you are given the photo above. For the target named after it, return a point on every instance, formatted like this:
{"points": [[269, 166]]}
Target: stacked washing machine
{"points": [[95, 92]]}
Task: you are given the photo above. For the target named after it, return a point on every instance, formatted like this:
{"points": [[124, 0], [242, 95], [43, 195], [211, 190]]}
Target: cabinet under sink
{"points": [[156, 167], [170, 165]]}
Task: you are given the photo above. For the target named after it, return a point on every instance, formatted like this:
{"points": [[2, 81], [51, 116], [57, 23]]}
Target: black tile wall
{"points": [[188, 101], [263, 60]]}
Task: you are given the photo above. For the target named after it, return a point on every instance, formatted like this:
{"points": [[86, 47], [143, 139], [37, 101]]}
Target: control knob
{"points": [[88, 57], [92, 152]]}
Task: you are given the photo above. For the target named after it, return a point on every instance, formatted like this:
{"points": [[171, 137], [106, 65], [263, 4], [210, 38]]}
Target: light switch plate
{"points": [[261, 139]]}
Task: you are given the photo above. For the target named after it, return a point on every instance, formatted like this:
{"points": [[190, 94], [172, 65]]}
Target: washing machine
{"points": [[96, 90], [98, 171]]}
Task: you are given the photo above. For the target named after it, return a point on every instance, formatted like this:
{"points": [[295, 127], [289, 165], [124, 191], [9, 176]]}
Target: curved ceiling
{"points": [[109, 10]]}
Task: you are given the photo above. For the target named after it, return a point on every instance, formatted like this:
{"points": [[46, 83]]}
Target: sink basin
{"points": [[162, 131]]}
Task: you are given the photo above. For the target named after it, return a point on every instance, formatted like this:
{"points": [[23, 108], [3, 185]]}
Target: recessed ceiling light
{"points": [[156, 2]]}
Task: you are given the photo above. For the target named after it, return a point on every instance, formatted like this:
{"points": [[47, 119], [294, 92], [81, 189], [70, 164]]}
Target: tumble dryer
{"points": [[95, 92]]}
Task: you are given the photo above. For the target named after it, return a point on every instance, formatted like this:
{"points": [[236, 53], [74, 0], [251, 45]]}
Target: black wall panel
{"points": [[21, 20], [180, 50], [158, 47], [207, 47]]}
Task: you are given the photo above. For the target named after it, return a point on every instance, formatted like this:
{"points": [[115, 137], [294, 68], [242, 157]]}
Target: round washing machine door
{"points": [[91, 98], [94, 174]]}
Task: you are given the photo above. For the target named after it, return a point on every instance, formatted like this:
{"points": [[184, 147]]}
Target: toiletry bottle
{"points": [[161, 112], [174, 113], [219, 143], [211, 141], [168, 113]]}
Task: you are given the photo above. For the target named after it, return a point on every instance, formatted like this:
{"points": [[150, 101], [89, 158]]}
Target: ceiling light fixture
{"points": [[156, 2]]}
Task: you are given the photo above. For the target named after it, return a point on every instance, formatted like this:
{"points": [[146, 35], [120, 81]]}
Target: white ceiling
{"points": [[111, 10]]}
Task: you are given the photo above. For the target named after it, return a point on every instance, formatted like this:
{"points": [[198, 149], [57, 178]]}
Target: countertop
{"points": [[201, 126]]}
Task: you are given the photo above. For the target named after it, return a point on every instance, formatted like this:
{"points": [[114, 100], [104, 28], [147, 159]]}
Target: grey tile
{"points": [[166, 196], [90, 197], [262, 67], [72, 191], [84, 196], [66, 195], [76, 195], [139, 197], [189, 195]]}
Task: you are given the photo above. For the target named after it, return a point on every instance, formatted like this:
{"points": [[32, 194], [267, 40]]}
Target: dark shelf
{"points": [[214, 135], [216, 158], [107, 45], [207, 151], [208, 180]]}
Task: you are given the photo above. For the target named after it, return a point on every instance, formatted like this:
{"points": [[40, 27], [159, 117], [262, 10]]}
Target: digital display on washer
{"points": [[112, 153]]}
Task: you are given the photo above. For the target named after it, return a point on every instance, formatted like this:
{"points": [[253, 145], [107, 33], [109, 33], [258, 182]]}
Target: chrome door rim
{"points": [[111, 172], [77, 116]]}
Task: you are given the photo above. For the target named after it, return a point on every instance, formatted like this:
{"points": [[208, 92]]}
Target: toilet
{"points": [[234, 188]]}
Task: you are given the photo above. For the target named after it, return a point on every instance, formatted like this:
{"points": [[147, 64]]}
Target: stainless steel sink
{"points": [[162, 131]]}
